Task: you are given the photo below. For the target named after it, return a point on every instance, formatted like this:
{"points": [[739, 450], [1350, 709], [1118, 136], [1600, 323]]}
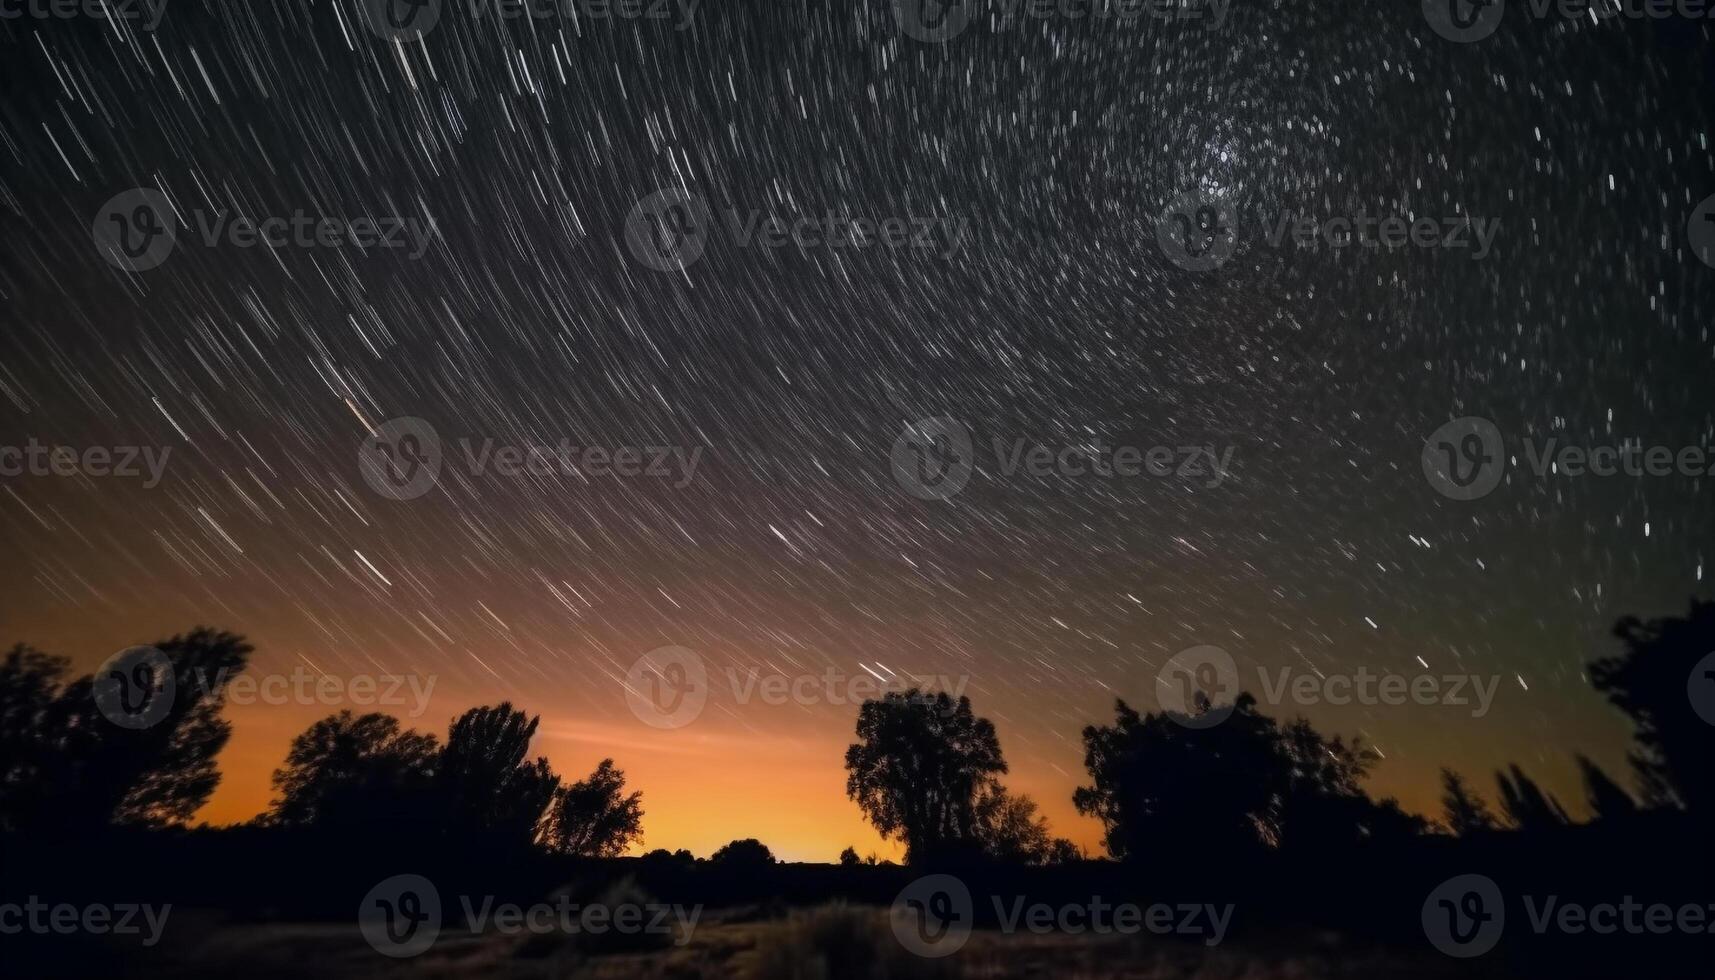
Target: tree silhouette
{"points": [[1526, 805], [346, 772], [743, 854], [487, 789], [917, 768], [1159, 785], [849, 858], [1463, 811], [1604, 796], [71, 769], [1163, 787], [1009, 828], [592, 817], [1674, 757]]}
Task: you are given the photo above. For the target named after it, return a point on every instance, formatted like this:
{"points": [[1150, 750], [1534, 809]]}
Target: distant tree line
{"points": [[925, 770]]}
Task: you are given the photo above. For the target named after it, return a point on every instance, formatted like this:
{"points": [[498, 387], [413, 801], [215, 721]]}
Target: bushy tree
{"points": [[917, 769], [1674, 757], [593, 817], [488, 790], [1164, 787], [742, 854], [69, 768], [1525, 804], [350, 771]]}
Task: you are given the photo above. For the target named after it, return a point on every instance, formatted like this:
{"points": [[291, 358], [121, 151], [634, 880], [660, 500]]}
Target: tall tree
{"points": [[1605, 797], [1463, 811], [593, 817], [1650, 683], [1525, 803], [349, 772], [488, 790], [918, 765]]}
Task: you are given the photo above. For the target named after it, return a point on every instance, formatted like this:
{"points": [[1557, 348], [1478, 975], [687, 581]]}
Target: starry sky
{"points": [[1055, 143]]}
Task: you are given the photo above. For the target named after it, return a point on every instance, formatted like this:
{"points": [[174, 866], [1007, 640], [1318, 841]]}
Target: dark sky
{"points": [[1055, 143]]}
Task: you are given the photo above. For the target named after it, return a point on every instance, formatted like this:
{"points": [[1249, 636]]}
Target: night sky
{"points": [[1055, 144]]}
